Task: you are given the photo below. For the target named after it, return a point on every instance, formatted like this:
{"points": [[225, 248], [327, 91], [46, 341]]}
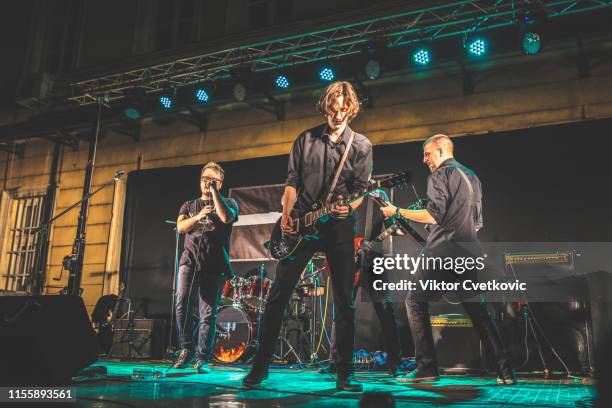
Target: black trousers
{"points": [[336, 240], [417, 307], [382, 306], [203, 287]]}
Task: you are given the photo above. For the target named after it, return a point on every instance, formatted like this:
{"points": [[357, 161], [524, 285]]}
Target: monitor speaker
{"points": [[44, 340]]}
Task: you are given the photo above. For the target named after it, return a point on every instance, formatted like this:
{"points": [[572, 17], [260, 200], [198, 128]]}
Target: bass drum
{"points": [[236, 335]]}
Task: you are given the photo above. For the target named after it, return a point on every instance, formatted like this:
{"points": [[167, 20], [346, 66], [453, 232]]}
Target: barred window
{"points": [[21, 241]]}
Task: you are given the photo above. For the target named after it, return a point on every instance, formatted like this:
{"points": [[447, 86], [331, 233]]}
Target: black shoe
{"points": [[328, 369], [182, 358], [258, 373], [415, 377], [201, 366], [348, 383], [506, 376]]}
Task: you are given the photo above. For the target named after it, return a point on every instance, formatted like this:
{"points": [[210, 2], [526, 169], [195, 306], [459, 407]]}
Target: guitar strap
{"points": [[472, 199], [339, 169]]}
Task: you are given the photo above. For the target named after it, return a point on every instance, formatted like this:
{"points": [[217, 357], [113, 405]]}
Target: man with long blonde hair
{"points": [[314, 158]]}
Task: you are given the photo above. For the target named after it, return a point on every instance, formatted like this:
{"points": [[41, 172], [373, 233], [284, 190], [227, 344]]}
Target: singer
{"points": [[204, 266]]}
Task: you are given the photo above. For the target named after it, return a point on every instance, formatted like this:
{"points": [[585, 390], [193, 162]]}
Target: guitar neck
{"points": [[313, 216], [380, 237]]}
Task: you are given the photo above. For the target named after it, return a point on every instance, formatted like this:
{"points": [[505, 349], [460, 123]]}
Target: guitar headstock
{"points": [[396, 180]]}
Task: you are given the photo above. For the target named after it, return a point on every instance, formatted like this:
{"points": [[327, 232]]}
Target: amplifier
{"points": [[138, 338], [458, 347]]}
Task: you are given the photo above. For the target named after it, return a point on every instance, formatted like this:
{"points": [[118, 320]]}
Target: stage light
{"points": [[372, 69], [478, 47], [422, 56], [532, 43], [239, 92], [166, 101], [133, 105], [281, 81], [327, 74], [201, 95], [131, 113]]}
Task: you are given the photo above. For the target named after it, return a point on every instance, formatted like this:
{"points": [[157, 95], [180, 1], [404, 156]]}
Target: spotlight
{"points": [[134, 103], [372, 69], [201, 95], [239, 91], [327, 74], [131, 113], [422, 56], [281, 81], [166, 101], [478, 47], [532, 43]]}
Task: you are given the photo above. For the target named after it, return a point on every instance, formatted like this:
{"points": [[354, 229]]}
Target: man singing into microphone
{"points": [[204, 266]]}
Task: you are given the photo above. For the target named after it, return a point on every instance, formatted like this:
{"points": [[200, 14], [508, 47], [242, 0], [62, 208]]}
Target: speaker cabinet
{"points": [[44, 340], [138, 338]]}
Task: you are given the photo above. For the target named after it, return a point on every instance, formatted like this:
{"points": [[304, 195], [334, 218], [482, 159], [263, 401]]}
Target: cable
{"points": [[533, 318], [324, 315]]}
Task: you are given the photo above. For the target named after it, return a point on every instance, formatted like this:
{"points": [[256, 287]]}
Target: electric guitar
{"points": [[282, 245]]}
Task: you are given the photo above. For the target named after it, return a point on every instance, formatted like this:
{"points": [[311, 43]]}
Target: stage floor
{"points": [[294, 387]]}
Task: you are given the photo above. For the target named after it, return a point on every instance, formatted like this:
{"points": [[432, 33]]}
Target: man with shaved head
{"points": [[454, 210]]}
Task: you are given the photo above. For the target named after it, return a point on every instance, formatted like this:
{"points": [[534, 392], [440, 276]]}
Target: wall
{"points": [[513, 92]]}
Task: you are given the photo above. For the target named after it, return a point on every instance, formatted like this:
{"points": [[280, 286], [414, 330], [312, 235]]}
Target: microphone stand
{"points": [[169, 349], [69, 259]]}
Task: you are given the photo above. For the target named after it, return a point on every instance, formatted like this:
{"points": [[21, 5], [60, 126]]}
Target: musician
{"points": [[204, 265], [455, 212], [370, 230], [313, 161]]}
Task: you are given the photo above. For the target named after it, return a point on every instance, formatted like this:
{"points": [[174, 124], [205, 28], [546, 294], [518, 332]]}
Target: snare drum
{"points": [[233, 291], [256, 292]]}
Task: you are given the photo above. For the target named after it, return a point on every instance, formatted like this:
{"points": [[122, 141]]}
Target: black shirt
{"points": [[313, 161], [212, 247], [458, 215]]}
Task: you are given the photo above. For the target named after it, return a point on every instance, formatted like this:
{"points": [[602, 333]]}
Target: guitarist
{"points": [[454, 210], [314, 160], [371, 224]]}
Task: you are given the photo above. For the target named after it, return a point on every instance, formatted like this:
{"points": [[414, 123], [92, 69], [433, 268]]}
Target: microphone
{"points": [[119, 174]]}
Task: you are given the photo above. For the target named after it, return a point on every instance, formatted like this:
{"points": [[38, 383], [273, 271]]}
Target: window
{"points": [[175, 23], [61, 38], [24, 218], [263, 13], [258, 14]]}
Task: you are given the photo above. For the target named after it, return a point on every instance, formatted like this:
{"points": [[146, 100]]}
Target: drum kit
{"points": [[242, 303], [242, 306]]}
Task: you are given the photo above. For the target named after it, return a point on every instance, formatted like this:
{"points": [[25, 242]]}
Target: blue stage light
{"points": [[532, 43], [478, 47], [281, 81], [422, 56], [132, 113], [166, 101], [201, 95], [327, 74]]}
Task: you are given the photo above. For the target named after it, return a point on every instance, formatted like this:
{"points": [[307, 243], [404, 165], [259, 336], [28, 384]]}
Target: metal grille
{"points": [[25, 218]]}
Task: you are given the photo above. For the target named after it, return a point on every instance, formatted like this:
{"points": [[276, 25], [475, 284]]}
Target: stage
{"points": [[293, 387]]}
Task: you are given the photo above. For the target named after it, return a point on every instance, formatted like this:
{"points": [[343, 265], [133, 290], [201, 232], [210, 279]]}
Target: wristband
{"points": [[397, 211]]}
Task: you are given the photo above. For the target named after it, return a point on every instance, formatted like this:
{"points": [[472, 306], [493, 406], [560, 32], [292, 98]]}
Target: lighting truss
{"points": [[427, 23]]}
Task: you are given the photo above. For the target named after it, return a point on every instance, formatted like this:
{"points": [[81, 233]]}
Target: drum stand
{"points": [[290, 350], [313, 273]]}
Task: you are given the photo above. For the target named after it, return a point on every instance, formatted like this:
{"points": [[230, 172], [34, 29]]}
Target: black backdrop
{"points": [[541, 184]]}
